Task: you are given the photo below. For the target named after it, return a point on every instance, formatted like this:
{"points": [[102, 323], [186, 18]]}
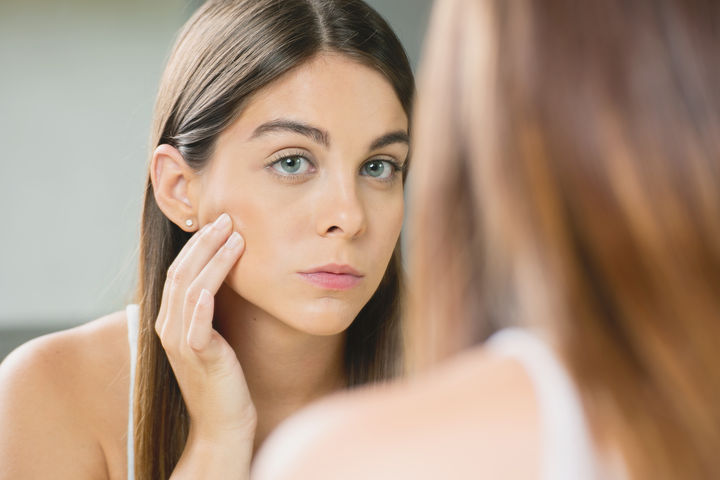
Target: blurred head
{"points": [[566, 175], [292, 117]]}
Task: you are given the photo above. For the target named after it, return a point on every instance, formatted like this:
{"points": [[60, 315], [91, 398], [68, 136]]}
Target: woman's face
{"points": [[310, 174]]}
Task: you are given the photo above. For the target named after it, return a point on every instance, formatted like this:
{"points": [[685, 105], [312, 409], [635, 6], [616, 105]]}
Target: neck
{"points": [[285, 369]]}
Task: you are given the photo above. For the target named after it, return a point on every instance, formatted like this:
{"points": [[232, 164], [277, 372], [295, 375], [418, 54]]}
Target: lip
{"points": [[335, 268], [333, 277]]}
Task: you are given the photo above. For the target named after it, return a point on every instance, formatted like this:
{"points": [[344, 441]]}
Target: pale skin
{"points": [[276, 343], [473, 417]]}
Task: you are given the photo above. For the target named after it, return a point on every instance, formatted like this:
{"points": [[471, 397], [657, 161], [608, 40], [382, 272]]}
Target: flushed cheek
{"points": [[262, 274], [259, 276], [253, 278]]}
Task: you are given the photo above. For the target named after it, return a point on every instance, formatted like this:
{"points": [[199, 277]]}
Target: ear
{"points": [[173, 184]]}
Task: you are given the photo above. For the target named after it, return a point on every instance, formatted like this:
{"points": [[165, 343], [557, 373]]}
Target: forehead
{"points": [[332, 92]]}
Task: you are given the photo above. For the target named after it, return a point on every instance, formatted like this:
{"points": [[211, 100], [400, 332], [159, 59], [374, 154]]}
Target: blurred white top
{"points": [[568, 452]]}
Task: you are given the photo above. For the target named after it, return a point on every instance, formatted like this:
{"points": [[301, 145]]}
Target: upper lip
{"points": [[335, 268]]}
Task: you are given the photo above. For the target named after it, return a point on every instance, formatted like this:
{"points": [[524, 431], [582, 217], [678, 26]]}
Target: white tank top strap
{"points": [[133, 324], [568, 452]]}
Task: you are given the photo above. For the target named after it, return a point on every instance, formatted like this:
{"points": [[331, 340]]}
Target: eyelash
{"points": [[396, 168], [293, 178]]}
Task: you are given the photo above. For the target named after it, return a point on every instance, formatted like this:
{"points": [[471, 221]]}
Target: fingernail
{"points": [[204, 297], [223, 221], [234, 240]]}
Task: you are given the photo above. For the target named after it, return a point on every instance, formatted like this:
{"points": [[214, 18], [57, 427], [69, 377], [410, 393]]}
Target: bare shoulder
{"points": [[471, 417], [59, 395]]}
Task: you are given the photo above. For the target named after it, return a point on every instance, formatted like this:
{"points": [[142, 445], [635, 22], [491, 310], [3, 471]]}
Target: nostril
{"points": [[333, 228]]}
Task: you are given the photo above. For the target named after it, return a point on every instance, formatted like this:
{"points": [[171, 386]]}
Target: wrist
{"points": [[226, 438], [225, 455], [215, 426]]}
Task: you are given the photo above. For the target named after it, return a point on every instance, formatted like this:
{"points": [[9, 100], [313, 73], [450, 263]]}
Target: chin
{"points": [[329, 317]]}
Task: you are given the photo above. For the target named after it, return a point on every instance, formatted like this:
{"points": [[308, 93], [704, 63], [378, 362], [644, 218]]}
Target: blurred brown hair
{"points": [[567, 176]]}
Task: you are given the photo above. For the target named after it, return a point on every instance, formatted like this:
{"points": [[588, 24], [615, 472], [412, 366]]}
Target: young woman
{"points": [[269, 265], [566, 182]]}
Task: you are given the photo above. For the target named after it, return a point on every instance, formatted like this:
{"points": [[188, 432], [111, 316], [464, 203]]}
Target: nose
{"points": [[340, 210]]}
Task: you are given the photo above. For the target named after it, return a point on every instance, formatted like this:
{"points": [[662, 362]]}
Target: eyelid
{"points": [[290, 177], [391, 160], [400, 164], [290, 152], [282, 155], [397, 168]]}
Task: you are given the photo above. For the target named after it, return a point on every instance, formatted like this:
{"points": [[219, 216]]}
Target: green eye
{"points": [[382, 169], [292, 165]]}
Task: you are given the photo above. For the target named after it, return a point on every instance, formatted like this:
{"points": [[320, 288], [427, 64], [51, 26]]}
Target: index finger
{"points": [[160, 320]]}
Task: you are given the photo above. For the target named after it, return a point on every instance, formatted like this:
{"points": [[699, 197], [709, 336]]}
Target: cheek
{"points": [[254, 276], [266, 231], [263, 219], [270, 229], [248, 213], [396, 221], [388, 224]]}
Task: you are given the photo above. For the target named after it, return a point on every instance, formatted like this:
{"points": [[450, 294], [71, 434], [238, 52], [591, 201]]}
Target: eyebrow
{"points": [[389, 139], [313, 133], [321, 136]]}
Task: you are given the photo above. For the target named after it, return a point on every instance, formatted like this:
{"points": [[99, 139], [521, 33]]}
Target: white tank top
{"points": [[568, 452], [133, 318]]}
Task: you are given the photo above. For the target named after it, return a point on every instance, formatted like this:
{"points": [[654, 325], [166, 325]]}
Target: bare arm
{"points": [[42, 431], [59, 394]]}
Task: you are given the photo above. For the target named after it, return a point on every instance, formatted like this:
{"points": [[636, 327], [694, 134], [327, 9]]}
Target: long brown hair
{"points": [[567, 175], [226, 52]]}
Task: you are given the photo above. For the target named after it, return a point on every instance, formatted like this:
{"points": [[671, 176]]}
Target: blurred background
{"points": [[77, 85]]}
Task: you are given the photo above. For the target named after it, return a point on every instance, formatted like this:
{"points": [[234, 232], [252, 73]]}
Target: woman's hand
{"points": [[222, 415]]}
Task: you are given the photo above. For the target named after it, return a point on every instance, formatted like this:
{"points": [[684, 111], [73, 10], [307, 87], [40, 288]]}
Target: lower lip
{"points": [[332, 281]]}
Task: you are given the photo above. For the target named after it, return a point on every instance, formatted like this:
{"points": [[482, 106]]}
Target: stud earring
{"points": [[189, 222]]}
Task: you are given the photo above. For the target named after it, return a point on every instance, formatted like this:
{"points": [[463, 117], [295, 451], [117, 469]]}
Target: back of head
{"points": [[567, 165]]}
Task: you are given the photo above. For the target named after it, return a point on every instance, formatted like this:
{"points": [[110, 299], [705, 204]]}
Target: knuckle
{"points": [[177, 276], [193, 295], [229, 251], [178, 270], [171, 271], [175, 287], [163, 341], [185, 352], [195, 350], [160, 334], [168, 345]]}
